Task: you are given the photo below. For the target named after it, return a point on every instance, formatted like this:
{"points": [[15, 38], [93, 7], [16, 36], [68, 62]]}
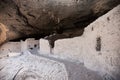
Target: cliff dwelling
{"points": [[59, 40]]}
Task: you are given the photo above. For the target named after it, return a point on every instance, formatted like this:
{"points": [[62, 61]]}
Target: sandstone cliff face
{"points": [[3, 31], [38, 18]]}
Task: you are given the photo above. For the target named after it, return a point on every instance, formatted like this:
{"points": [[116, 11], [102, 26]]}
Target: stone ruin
{"points": [[93, 56], [29, 44]]}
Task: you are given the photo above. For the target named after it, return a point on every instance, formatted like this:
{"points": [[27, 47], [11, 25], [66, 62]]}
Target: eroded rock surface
{"points": [[38, 18], [30, 67]]}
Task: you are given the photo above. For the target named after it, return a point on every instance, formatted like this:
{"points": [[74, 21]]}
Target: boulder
{"points": [[30, 67]]}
